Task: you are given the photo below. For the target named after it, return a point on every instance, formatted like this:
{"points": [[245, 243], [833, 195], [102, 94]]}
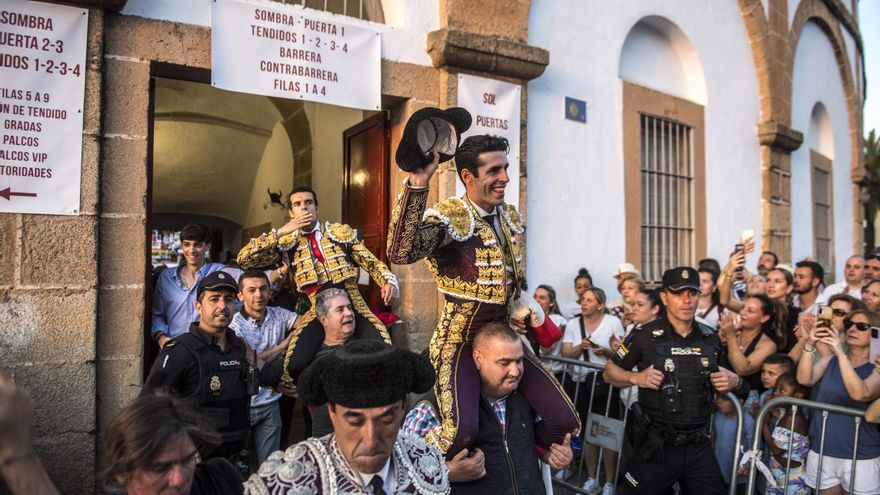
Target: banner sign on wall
{"points": [[42, 89], [495, 108], [287, 51]]}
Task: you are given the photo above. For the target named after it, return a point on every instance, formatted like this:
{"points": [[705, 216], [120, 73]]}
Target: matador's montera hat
{"points": [[365, 373]]}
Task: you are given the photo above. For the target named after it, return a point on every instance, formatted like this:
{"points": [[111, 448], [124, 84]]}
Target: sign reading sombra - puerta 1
{"points": [[42, 88], [495, 109], [291, 52]]}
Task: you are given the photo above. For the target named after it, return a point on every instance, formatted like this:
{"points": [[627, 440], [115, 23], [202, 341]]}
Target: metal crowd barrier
{"points": [[816, 408], [607, 432]]}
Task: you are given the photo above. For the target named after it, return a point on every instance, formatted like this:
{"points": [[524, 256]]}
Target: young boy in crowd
{"points": [[774, 366], [724, 424], [791, 428]]}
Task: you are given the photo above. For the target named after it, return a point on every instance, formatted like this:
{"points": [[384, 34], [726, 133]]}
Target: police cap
{"points": [[681, 278], [217, 280]]}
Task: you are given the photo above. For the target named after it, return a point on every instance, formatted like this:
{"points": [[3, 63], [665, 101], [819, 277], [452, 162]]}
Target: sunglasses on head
{"points": [[860, 326], [839, 312]]}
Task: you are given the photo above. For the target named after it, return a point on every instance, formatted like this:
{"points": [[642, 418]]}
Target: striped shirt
{"points": [[261, 335]]}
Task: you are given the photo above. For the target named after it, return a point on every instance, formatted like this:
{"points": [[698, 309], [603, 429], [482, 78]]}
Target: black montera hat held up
{"points": [[427, 129], [365, 373], [681, 278], [216, 280]]}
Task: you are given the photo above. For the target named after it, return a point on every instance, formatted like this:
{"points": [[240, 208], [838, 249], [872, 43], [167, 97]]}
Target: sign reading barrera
{"points": [[42, 87], [287, 51]]}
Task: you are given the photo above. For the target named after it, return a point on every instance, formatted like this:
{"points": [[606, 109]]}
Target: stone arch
{"points": [[817, 12], [657, 54], [758, 29]]}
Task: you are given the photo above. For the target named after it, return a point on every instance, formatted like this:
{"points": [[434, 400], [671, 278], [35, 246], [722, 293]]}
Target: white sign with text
{"points": [[495, 108], [42, 89], [288, 51]]}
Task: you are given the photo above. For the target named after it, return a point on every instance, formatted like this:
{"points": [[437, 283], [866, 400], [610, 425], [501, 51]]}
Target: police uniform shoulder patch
{"points": [[622, 350], [341, 232], [456, 216], [170, 344]]}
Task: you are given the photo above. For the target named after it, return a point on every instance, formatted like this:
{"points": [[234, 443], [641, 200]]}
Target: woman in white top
{"points": [[590, 336], [546, 297]]}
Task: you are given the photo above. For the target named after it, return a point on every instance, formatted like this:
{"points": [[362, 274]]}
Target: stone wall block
{"points": [[504, 18], [124, 176], [69, 459], [58, 250], [119, 382], [64, 397], [126, 97], [161, 41], [121, 323], [92, 101], [122, 257], [47, 326], [89, 174], [8, 249], [409, 81]]}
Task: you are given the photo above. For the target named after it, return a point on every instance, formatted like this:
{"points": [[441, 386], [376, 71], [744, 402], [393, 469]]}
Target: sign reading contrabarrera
{"points": [[287, 51], [42, 87]]}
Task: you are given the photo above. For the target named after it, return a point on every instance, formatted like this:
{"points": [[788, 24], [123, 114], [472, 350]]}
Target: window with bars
{"points": [[667, 181], [369, 10], [823, 227]]}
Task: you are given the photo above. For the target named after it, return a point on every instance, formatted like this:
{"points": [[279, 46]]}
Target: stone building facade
{"points": [[74, 289]]}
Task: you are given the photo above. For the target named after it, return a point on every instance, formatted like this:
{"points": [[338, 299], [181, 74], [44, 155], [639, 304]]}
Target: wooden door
{"points": [[365, 189]]}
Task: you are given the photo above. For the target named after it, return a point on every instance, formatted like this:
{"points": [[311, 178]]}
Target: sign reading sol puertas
{"points": [[287, 51], [495, 109], [42, 89]]}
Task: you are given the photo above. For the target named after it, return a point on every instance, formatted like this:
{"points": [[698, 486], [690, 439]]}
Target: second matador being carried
{"points": [[470, 245], [320, 256]]}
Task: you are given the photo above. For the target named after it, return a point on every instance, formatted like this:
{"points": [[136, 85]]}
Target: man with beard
{"points": [[677, 359], [472, 250], [872, 266], [209, 365], [808, 277]]}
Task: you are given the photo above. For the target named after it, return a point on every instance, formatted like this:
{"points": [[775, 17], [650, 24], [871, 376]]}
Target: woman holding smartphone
{"points": [[846, 378]]}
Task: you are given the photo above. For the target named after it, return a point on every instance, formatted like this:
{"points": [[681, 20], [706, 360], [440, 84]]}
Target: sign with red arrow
{"points": [[42, 107], [8, 193]]}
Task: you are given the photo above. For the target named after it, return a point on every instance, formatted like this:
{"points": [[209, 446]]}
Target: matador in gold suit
{"points": [[320, 256], [476, 261]]}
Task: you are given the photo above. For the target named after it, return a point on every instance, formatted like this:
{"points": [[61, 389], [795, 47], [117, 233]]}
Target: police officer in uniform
{"points": [[677, 359], [209, 364]]}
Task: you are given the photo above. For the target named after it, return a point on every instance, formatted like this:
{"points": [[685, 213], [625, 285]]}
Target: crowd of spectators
{"points": [[784, 331]]}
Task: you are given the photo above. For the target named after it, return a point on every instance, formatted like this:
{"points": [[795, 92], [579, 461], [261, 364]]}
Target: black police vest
{"points": [[690, 362], [511, 467], [222, 394]]}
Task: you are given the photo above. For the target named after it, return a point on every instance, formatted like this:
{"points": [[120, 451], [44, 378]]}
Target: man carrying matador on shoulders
{"points": [[471, 247]]}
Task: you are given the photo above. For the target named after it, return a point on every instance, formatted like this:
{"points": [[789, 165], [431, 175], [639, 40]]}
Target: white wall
{"points": [[407, 22], [576, 196], [817, 79], [274, 171]]}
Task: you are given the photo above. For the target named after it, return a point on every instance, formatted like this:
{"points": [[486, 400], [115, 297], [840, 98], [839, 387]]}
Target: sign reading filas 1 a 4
{"points": [[42, 88], [287, 51]]}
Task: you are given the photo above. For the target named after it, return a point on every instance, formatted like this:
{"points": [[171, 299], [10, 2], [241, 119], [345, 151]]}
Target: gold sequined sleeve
{"points": [[410, 238], [378, 271], [264, 251]]}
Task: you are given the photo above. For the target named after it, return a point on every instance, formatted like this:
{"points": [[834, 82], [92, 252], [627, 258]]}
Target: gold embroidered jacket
{"points": [[343, 254], [473, 265]]}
